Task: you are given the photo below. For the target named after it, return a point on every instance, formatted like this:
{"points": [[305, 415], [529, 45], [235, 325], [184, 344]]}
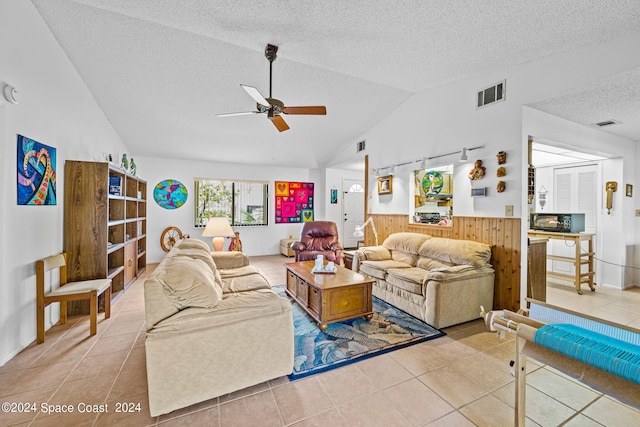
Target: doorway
{"points": [[353, 210]]}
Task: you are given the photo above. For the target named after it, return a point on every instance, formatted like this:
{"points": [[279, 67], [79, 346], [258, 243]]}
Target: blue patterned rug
{"points": [[352, 340]]}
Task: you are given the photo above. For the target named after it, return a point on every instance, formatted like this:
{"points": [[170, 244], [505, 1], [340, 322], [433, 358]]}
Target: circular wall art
{"points": [[432, 183], [170, 194]]}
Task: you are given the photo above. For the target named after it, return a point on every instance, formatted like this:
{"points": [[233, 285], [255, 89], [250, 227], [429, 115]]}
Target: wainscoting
{"points": [[503, 234]]}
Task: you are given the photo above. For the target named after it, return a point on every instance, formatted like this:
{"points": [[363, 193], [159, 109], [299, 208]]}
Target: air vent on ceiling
{"points": [[606, 123], [491, 94], [360, 146]]}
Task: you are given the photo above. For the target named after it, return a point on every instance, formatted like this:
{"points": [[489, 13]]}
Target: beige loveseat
{"points": [[441, 281], [214, 326]]}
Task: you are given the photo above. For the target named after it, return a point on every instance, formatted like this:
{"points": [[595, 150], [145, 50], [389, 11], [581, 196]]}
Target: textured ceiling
{"points": [[162, 69]]}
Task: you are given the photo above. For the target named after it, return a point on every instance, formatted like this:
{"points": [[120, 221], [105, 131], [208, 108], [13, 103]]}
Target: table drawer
{"points": [[302, 291], [315, 299]]}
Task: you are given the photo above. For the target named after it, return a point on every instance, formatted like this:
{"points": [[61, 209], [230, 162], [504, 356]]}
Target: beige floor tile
{"points": [[489, 411], [487, 372], [258, 388], [331, 418], [79, 417], [345, 383], [205, 417], [132, 415], [452, 386], [256, 410], [99, 366], [454, 419], [301, 399], [611, 413], [88, 391], [42, 377], [540, 408], [113, 344], [561, 388], [417, 402], [581, 421], [35, 398], [383, 371], [372, 410], [129, 383], [189, 409]]}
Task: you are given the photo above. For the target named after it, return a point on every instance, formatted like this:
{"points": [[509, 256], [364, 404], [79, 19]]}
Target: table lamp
{"points": [[359, 233], [218, 228]]}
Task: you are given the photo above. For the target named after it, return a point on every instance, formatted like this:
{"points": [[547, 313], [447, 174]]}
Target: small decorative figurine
{"points": [[501, 186], [500, 172], [478, 171], [125, 162], [502, 157], [133, 167]]}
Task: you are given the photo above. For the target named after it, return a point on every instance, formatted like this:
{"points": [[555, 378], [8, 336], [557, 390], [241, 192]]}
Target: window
{"points": [[243, 202]]}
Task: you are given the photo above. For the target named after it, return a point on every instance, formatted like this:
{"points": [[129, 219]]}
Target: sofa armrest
{"points": [[231, 259], [457, 272], [298, 246], [370, 253]]}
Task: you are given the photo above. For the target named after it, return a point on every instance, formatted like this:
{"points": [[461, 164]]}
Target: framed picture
{"points": [[385, 184], [479, 192]]}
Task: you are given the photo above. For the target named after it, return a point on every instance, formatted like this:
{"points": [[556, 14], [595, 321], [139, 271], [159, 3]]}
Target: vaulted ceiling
{"points": [[161, 70]]}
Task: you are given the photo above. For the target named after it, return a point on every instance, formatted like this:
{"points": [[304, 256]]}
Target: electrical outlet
{"points": [[508, 210]]}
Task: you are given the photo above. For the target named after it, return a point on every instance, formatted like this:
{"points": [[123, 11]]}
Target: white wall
{"points": [[255, 240], [56, 109], [445, 119]]}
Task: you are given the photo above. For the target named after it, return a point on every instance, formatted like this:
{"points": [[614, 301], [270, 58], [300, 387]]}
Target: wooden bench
{"points": [[68, 291]]}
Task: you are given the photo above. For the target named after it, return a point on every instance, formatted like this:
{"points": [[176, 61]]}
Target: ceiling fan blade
{"points": [[316, 110], [279, 123], [253, 92], [242, 113]]}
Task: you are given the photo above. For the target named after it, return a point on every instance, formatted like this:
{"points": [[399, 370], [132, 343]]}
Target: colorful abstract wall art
{"points": [[36, 173], [294, 202], [170, 194]]}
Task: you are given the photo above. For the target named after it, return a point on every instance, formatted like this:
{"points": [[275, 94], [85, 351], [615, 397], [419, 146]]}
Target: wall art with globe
{"points": [[170, 194]]}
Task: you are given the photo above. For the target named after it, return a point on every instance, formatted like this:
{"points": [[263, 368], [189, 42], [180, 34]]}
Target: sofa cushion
{"points": [[404, 246], [456, 252], [192, 244], [189, 282], [196, 254], [409, 279], [378, 269], [242, 279]]}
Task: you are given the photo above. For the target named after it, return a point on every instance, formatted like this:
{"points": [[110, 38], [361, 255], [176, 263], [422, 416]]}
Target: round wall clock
{"points": [[170, 194], [432, 183]]}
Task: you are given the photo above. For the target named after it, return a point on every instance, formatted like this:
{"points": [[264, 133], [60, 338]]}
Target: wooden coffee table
{"points": [[329, 297]]}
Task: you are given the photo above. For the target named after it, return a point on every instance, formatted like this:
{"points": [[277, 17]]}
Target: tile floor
{"points": [[462, 379]]}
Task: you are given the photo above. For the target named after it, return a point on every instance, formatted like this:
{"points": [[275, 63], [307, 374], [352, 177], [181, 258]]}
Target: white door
{"points": [[352, 210], [575, 192]]}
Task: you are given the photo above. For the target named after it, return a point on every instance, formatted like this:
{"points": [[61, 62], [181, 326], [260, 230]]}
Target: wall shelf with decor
{"points": [[104, 213]]}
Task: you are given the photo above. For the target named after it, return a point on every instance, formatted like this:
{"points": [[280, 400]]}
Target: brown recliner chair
{"points": [[318, 238]]}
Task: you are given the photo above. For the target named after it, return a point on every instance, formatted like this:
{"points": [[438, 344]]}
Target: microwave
{"points": [[559, 222]]}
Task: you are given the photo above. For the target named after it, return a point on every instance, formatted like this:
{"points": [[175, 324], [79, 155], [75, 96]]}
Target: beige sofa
{"points": [[214, 326], [441, 281]]}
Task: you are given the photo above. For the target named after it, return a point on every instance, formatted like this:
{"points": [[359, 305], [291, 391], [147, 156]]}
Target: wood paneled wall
{"points": [[503, 234]]}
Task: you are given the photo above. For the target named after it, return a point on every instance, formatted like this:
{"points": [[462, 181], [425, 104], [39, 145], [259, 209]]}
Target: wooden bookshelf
{"points": [[105, 216]]}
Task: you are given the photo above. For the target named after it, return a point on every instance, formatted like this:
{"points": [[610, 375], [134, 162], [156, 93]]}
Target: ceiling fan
{"points": [[274, 107]]}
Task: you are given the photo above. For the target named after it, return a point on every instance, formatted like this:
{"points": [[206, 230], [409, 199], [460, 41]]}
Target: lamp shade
{"points": [[218, 228]]}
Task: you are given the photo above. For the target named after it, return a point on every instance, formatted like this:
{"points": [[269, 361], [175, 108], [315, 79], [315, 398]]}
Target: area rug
{"points": [[352, 340]]}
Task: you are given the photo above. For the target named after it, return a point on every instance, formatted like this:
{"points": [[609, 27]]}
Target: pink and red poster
{"points": [[294, 202]]}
